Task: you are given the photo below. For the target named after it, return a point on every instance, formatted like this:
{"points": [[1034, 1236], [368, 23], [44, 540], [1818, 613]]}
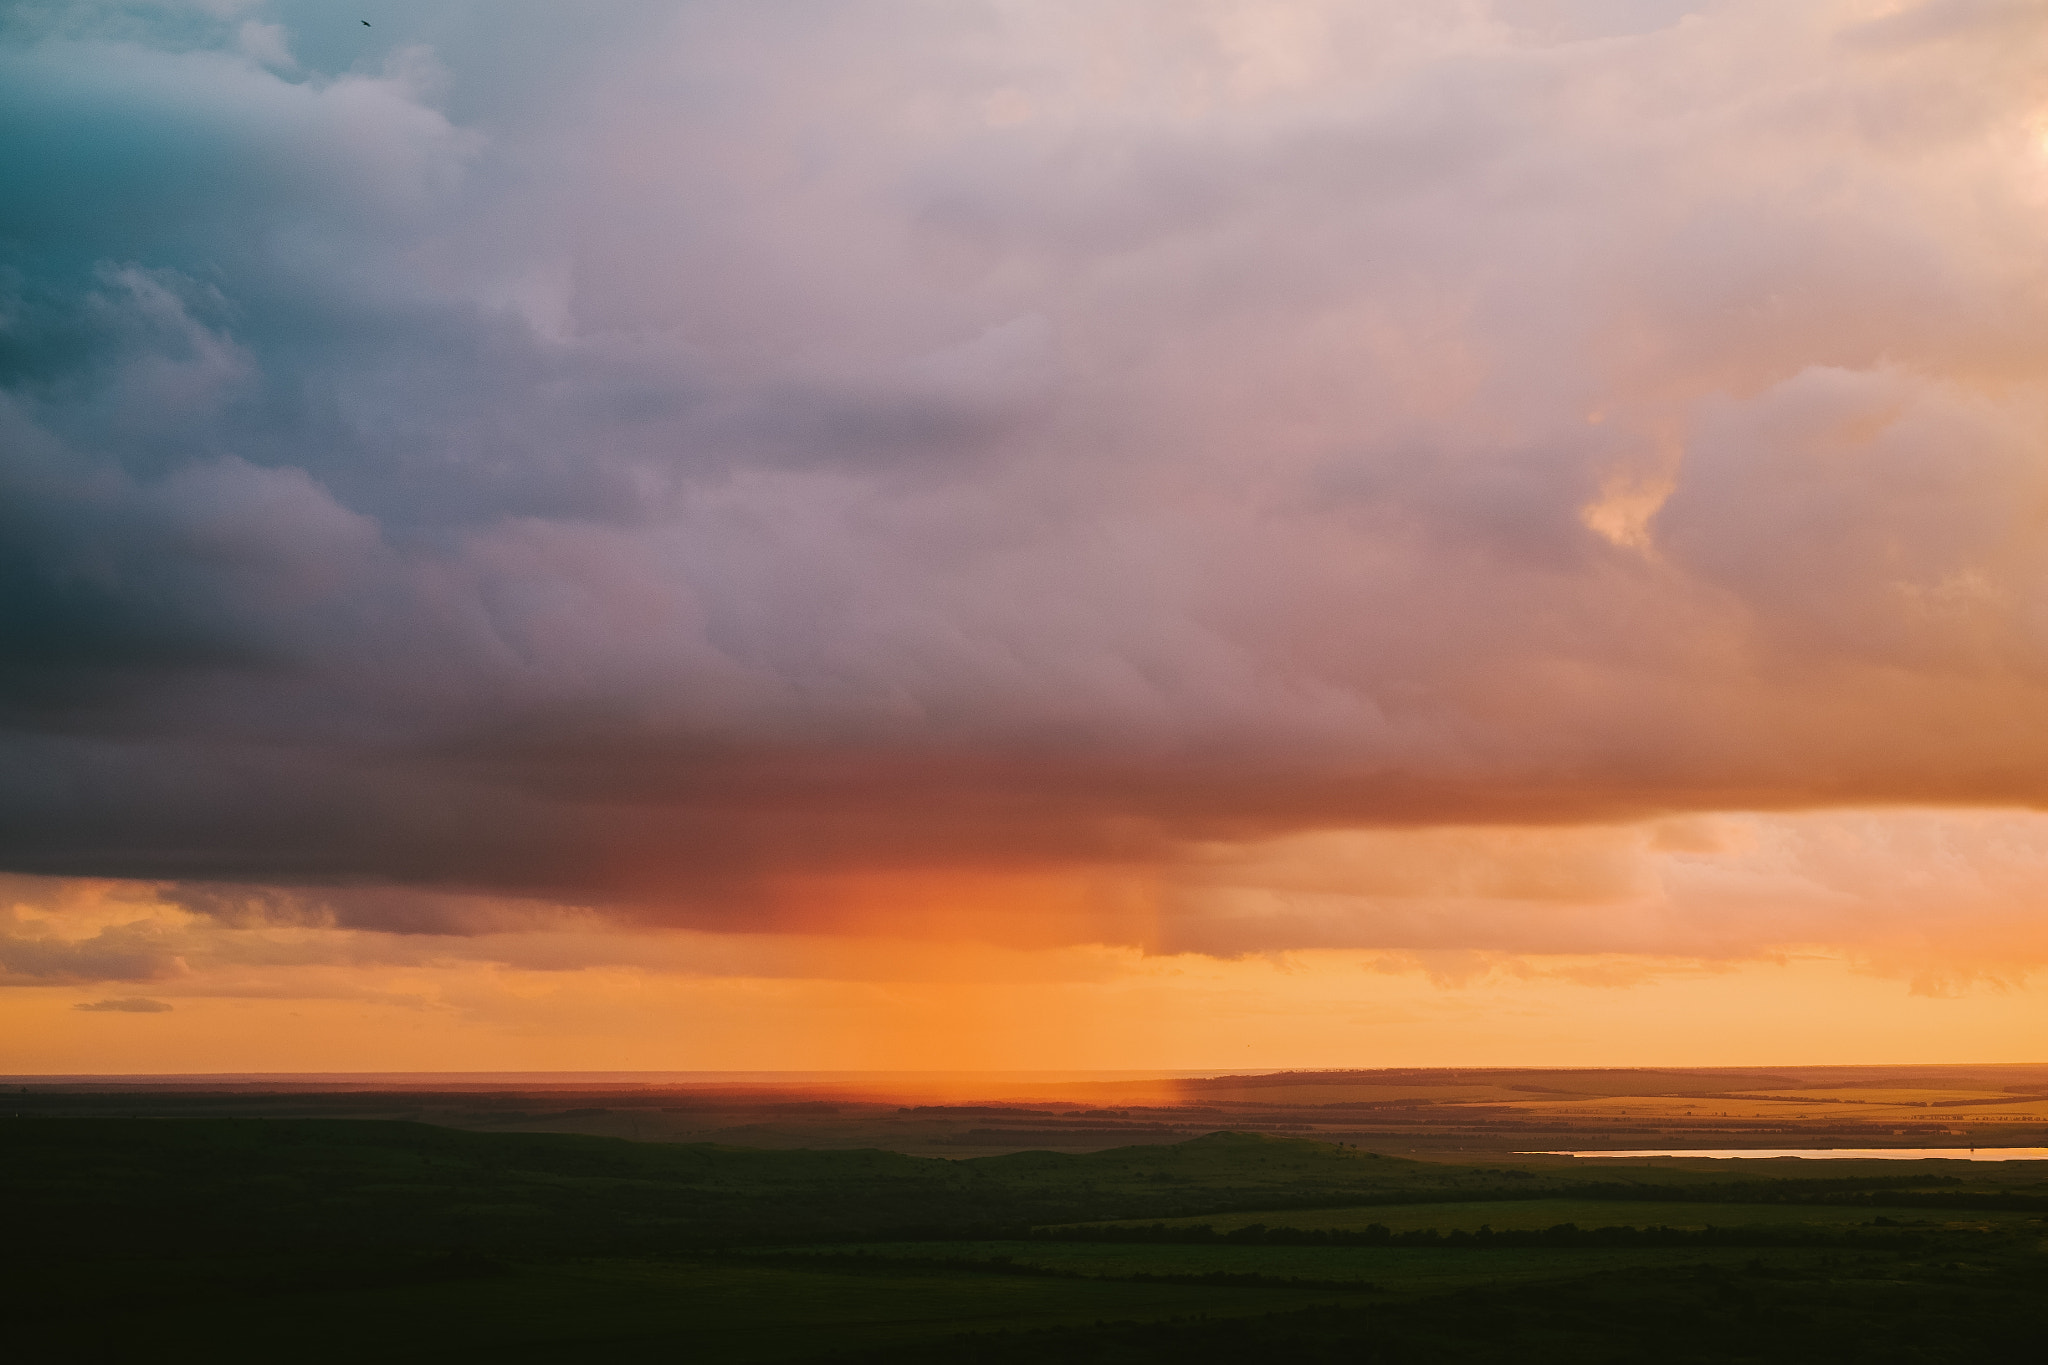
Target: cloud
{"points": [[1933, 894], [720, 467], [133, 1004], [135, 951], [1947, 899]]}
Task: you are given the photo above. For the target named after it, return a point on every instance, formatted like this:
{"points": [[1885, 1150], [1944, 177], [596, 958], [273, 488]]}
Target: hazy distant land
{"points": [[1408, 1112]]}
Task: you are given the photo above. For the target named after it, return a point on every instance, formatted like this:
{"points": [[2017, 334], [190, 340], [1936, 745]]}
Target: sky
{"points": [[975, 533]]}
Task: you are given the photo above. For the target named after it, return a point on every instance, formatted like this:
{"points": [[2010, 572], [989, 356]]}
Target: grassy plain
{"points": [[259, 1238], [704, 1312], [1537, 1214], [1391, 1269]]}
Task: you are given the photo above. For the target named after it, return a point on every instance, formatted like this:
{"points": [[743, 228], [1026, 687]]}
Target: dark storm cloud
{"points": [[122, 952], [635, 459]]}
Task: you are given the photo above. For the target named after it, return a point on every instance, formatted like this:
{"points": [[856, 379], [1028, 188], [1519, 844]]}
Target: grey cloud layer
{"points": [[630, 459]]}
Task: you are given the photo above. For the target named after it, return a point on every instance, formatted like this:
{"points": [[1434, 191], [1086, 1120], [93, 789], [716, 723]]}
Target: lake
{"points": [[1840, 1153]]}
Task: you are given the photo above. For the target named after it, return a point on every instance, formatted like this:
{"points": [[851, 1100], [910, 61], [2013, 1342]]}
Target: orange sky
{"points": [[1071, 1009], [1842, 937]]}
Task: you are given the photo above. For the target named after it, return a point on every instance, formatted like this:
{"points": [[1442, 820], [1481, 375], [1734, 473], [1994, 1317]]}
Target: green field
{"points": [[260, 1240], [1393, 1269], [717, 1312], [1535, 1214]]}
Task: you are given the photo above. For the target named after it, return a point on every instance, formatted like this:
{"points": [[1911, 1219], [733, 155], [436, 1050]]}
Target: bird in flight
{"points": [[366, 23]]}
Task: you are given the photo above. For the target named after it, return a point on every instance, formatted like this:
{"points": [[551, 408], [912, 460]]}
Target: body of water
{"points": [[1840, 1153]]}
